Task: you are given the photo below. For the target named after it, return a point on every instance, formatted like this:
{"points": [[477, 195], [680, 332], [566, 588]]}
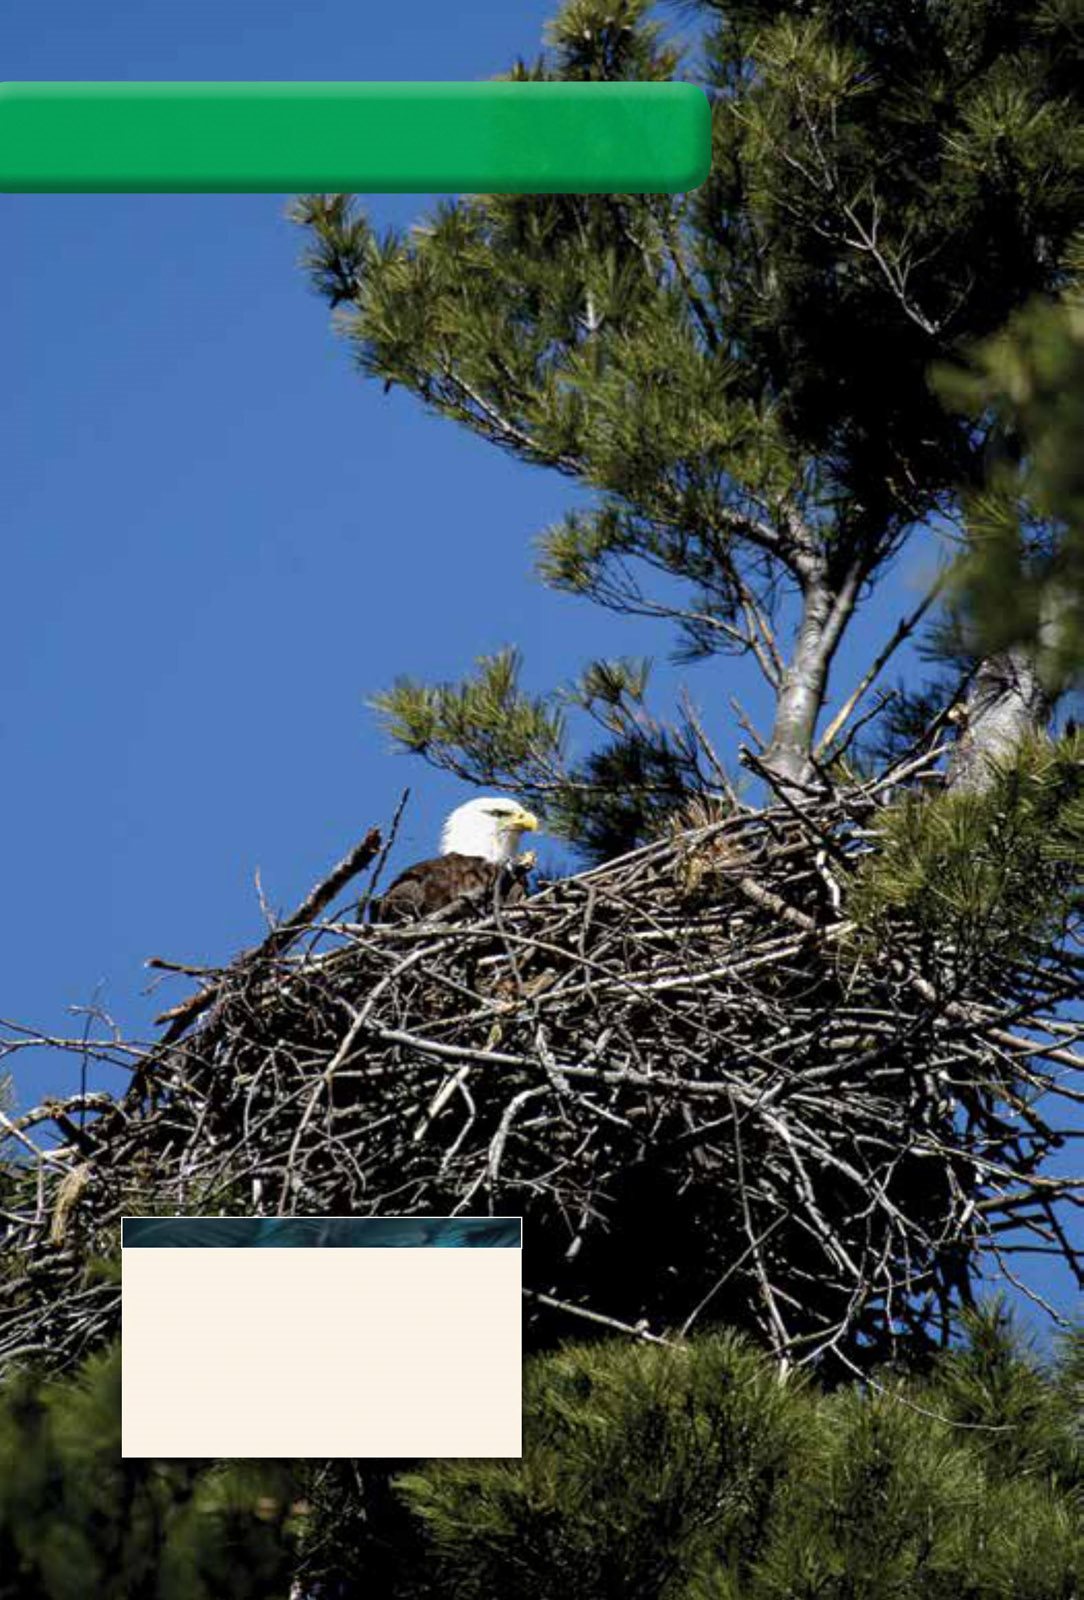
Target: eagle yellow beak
{"points": [[524, 822]]}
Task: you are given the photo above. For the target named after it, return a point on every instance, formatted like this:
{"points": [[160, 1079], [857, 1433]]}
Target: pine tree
{"points": [[695, 1470], [739, 376], [77, 1519], [698, 1472], [741, 381]]}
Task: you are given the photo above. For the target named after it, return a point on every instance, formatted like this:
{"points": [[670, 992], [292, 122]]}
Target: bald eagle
{"points": [[478, 852]]}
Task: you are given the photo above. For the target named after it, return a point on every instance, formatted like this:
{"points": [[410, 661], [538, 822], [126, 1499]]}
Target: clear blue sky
{"points": [[220, 539]]}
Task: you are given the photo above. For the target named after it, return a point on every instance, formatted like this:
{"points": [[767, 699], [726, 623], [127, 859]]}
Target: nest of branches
{"points": [[710, 1094]]}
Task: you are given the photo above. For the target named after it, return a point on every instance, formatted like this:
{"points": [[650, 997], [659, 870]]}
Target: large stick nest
{"points": [[708, 1093]]}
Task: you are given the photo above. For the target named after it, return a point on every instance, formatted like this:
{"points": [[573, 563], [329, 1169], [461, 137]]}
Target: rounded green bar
{"points": [[425, 138]]}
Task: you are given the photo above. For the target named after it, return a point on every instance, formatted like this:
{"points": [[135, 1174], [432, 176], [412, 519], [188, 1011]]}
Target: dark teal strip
{"points": [[321, 1232]]}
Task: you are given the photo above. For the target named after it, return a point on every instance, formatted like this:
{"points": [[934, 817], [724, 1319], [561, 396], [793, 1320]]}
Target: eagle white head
{"points": [[490, 827]]}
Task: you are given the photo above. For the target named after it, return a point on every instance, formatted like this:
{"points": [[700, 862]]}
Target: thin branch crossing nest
{"points": [[710, 1097]]}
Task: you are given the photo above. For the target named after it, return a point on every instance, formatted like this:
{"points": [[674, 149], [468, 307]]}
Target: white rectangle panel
{"points": [[327, 1352]]}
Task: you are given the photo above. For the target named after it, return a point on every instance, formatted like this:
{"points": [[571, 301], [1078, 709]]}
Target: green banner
{"points": [[406, 138]]}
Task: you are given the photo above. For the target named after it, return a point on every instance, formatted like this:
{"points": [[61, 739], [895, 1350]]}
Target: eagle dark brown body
{"points": [[440, 882]]}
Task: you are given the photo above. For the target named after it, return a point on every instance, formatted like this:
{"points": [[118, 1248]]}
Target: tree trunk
{"points": [[826, 609], [1006, 702]]}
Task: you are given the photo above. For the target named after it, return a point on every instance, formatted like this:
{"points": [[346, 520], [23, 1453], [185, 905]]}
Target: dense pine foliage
{"points": [[648, 1473]]}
